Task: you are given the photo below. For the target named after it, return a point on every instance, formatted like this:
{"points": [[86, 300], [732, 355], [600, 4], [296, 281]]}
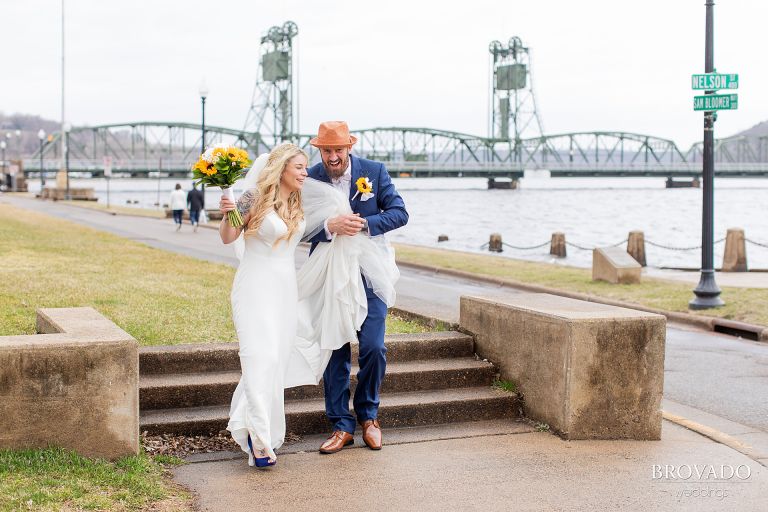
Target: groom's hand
{"points": [[349, 225]]}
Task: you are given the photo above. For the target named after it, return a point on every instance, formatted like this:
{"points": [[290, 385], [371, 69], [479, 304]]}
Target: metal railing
{"points": [[647, 169]]}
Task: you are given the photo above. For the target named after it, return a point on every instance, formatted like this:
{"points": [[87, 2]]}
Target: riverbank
{"points": [[742, 304], [159, 297]]}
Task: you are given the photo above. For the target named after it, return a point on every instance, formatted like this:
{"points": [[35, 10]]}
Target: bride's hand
{"points": [[226, 205]]}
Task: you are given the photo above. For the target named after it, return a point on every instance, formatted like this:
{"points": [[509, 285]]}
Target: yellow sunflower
{"points": [[205, 168], [364, 186]]}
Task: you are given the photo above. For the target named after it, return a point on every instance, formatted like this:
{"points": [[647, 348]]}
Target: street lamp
{"points": [[707, 292], [41, 136], [203, 94], [3, 145], [67, 127], [18, 143]]}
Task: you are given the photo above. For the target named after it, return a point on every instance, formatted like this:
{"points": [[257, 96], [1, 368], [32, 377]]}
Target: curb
{"points": [[715, 435], [704, 322]]}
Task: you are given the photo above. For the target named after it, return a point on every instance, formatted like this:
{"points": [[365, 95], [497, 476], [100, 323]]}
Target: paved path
{"points": [[733, 279], [520, 471]]}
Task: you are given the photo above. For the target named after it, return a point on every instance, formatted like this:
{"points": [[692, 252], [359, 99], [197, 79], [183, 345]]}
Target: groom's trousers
{"points": [[373, 363]]}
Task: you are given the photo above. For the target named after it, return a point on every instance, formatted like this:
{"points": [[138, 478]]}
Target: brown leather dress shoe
{"points": [[338, 440], [372, 434]]}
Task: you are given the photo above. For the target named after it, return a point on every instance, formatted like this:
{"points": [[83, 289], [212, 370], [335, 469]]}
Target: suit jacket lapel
{"points": [[356, 171]]}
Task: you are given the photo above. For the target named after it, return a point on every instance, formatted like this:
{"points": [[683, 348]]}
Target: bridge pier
{"points": [[502, 183]]}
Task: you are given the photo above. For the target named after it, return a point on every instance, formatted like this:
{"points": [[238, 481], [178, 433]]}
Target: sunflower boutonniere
{"points": [[364, 188]]}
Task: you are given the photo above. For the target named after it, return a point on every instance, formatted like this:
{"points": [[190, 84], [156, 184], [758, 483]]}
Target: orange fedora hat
{"points": [[333, 134]]}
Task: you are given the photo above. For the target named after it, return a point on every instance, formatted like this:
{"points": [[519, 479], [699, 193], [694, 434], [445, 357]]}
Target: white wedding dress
{"points": [[264, 299], [287, 324]]}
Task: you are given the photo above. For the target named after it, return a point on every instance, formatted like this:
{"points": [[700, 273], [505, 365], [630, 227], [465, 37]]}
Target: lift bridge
{"points": [[515, 143]]}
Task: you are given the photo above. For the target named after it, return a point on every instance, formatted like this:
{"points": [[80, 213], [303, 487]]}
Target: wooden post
{"points": [[557, 246], [495, 243], [735, 255], [636, 246]]}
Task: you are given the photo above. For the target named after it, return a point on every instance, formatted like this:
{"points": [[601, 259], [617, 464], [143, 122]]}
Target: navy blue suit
{"points": [[384, 212]]}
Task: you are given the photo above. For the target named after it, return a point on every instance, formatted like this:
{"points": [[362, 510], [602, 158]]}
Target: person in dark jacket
{"points": [[194, 205]]}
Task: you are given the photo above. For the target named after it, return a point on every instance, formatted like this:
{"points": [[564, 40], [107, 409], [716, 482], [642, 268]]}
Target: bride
{"points": [[288, 324]]}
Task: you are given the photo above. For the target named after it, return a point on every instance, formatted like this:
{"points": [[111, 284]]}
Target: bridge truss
{"points": [[167, 147]]}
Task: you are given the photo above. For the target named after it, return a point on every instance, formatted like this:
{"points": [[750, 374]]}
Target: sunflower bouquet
{"points": [[221, 166]]}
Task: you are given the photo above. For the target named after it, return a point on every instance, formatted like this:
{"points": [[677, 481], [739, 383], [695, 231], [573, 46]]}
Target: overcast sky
{"points": [[597, 64]]}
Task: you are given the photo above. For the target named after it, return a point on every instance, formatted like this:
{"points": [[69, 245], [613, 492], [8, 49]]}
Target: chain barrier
{"points": [[582, 248], [759, 244], [649, 242], [521, 248], [673, 248], [518, 247]]}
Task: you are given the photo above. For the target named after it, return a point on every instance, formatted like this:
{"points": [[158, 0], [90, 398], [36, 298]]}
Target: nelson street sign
{"points": [[714, 82]]}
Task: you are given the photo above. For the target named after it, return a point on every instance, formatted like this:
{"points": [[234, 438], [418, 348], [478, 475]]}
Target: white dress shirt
{"points": [[343, 184]]}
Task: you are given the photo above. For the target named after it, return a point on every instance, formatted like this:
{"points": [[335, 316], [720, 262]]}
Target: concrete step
{"points": [[216, 388], [221, 357], [308, 416]]}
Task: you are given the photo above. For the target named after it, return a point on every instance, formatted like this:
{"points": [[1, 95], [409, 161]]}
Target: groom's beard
{"points": [[339, 171]]}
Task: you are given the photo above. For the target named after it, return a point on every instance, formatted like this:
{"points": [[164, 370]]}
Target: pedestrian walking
{"points": [[177, 204], [194, 205]]}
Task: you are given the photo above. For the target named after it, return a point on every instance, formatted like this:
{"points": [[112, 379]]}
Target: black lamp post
{"points": [[707, 292], [203, 94], [3, 145], [41, 136], [66, 158]]}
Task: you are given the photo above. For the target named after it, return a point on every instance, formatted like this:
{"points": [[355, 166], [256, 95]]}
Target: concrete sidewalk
{"points": [[517, 471]]}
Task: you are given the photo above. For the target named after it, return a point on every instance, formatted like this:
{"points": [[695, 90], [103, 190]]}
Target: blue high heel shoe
{"points": [[261, 462]]}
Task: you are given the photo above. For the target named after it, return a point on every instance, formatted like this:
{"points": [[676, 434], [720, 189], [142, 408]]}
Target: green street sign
{"points": [[714, 82], [711, 102]]}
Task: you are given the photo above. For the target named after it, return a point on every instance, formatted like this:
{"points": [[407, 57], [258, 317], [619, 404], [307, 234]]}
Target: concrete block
{"points": [[588, 370], [76, 194], [636, 247], [74, 385], [557, 245], [615, 265], [735, 255]]}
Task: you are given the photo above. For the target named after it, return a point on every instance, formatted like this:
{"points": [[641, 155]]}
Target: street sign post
{"points": [[711, 102], [714, 82]]}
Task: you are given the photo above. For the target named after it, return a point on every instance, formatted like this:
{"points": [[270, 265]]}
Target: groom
{"points": [[375, 212]]}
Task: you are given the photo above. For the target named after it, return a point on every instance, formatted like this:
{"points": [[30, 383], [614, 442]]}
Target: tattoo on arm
{"points": [[245, 202]]}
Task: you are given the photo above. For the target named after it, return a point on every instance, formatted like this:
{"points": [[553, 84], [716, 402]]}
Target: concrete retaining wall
{"points": [[590, 371], [74, 385]]}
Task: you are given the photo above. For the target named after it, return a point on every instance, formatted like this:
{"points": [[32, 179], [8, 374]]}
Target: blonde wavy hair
{"points": [[268, 193]]}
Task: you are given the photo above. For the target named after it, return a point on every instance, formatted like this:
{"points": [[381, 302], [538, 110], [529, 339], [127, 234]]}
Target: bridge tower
{"points": [[513, 113], [270, 119]]}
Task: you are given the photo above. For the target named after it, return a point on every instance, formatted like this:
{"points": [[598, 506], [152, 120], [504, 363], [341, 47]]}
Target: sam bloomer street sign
{"points": [[716, 102], [714, 82]]}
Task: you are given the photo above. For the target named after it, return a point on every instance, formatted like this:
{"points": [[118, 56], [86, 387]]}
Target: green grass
{"points": [[744, 304], [397, 325], [505, 385], [55, 479], [159, 297]]}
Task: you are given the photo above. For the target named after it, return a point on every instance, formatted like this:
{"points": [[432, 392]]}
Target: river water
{"points": [[590, 211]]}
